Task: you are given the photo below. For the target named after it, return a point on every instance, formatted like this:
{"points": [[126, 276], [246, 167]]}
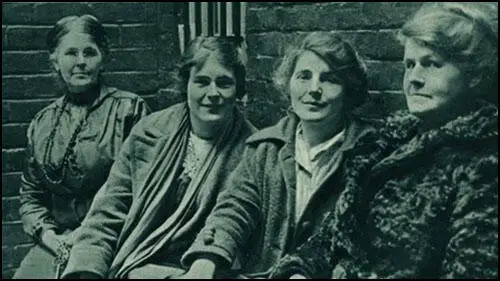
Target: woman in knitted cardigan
{"points": [[428, 210]]}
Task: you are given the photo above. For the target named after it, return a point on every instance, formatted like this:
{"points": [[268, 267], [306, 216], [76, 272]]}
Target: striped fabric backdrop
{"points": [[211, 19]]}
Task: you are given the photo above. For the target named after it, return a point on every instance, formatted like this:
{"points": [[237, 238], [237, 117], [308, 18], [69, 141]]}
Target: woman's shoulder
{"points": [[122, 94], [47, 113], [161, 121]]}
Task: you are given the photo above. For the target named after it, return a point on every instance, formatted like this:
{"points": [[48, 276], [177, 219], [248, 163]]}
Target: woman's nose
{"points": [[80, 60], [417, 75], [213, 90]]}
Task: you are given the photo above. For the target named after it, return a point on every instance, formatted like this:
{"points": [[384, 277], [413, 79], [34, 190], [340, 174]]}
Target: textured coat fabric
{"points": [[63, 206], [428, 210], [253, 224], [121, 221]]}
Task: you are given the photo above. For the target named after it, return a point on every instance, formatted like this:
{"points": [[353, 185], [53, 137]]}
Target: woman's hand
{"points": [[297, 276], [51, 240], [200, 269]]}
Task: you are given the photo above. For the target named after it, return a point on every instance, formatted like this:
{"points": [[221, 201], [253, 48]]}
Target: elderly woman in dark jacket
{"points": [[290, 172], [72, 143], [430, 209]]}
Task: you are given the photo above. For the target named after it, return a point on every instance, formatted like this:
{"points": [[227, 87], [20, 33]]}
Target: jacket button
{"points": [[208, 239]]}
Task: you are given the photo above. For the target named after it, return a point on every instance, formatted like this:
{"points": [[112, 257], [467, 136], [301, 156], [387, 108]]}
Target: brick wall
{"points": [[144, 49], [371, 27]]}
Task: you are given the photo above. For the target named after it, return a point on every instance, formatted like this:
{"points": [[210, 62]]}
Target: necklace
{"points": [[57, 174]]}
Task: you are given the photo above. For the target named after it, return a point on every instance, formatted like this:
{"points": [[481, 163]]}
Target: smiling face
{"points": [[316, 92], [78, 60], [432, 84], [211, 93]]}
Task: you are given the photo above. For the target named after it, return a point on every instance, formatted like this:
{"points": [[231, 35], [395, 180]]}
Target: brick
{"points": [[21, 111], [18, 87], [375, 45], [272, 43], [12, 160], [134, 60], [262, 67], [13, 234], [130, 12], [265, 105], [10, 209], [137, 82], [366, 16], [27, 38], [272, 3], [114, 35], [385, 75], [4, 38], [138, 35], [11, 183], [14, 135], [164, 99], [26, 62], [50, 13], [8, 273], [385, 102], [17, 13], [13, 255]]}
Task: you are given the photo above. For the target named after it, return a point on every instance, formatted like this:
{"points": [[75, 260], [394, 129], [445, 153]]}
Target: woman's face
{"points": [[316, 92], [432, 84], [211, 92], [79, 61]]}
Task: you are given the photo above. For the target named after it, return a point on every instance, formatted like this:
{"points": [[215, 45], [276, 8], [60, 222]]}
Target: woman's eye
{"points": [[331, 78], [71, 53], [409, 64], [201, 81], [303, 75], [225, 83], [90, 52]]}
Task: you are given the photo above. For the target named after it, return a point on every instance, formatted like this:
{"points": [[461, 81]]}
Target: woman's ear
{"points": [[53, 62]]}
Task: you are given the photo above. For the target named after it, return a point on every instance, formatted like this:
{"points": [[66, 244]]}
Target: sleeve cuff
{"points": [[88, 259]]}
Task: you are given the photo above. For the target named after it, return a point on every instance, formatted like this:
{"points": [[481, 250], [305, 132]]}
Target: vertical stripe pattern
{"points": [[211, 18]]}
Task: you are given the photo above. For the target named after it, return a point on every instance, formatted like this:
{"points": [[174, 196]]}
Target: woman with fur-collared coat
{"points": [[430, 209]]}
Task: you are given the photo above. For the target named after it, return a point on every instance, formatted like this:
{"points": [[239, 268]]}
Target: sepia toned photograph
{"points": [[249, 140]]}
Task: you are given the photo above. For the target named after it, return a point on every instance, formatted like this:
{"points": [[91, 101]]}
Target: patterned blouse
{"points": [[71, 148]]}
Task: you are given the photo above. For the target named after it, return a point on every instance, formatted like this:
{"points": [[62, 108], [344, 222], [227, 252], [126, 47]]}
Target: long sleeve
{"points": [[234, 218], [312, 259], [95, 243], [35, 198], [472, 250]]}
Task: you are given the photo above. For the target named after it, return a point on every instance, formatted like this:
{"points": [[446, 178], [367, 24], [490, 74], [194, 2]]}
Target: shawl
{"points": [[147, 230]]}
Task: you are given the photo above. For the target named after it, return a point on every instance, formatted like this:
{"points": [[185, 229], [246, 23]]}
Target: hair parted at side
{"points": [[229, 51], [340, 56], [463, 32], [86, 24]]}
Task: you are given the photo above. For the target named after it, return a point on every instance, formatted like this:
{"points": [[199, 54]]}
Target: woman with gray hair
{"points": [[430, 209], [71, 143]]}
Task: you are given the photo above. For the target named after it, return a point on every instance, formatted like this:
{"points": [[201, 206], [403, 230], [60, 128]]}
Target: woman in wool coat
{"points": [[430, 209], [291, 172]]}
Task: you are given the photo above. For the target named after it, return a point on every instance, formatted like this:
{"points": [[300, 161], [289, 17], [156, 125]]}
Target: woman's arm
{"points": [[233, 219], [472, 249], [35, 198], [313, 259], [95, 242]]}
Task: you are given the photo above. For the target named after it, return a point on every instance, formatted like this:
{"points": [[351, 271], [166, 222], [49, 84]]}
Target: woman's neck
{"points": [[85, 97], [318, 132], [211, 129]]}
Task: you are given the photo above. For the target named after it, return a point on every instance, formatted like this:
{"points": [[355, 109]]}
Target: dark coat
{"points": [[429, 210], [253, 222]]}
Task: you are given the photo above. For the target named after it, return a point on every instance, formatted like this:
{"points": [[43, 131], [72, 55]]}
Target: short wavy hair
{"points": [[465, 33], [340, 56], [229, 51]]}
